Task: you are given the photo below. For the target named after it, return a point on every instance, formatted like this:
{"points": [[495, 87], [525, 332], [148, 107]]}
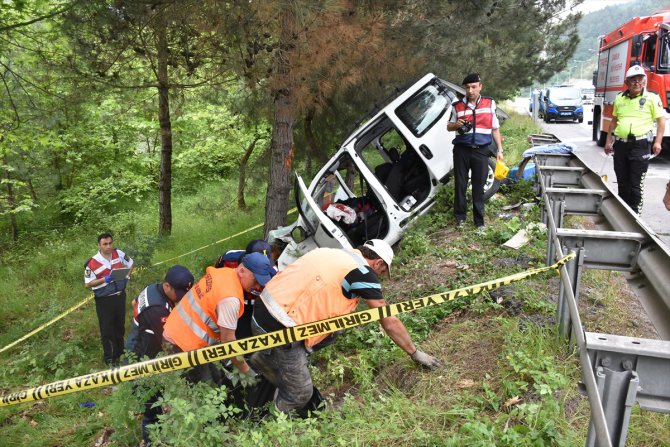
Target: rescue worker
{"points": [[232, 259], [630, 134], [152, 307], [476, 125], [110, 295], [209, 312], [323, 283]]}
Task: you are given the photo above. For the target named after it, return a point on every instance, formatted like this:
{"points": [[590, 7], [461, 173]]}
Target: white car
{"points": [[383, 177]]}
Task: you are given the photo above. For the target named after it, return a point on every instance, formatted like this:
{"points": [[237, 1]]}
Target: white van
{"points": [[383, 177]]}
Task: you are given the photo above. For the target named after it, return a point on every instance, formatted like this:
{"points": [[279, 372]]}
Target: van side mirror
{"points": [[637, 46]]}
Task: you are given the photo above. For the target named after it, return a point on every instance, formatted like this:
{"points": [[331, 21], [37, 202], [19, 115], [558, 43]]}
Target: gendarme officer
{"points": [[110, 295], [630, 134], [476, 124]]}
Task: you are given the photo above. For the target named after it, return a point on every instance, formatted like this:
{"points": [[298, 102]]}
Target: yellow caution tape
{"points": [[245, 346], [77, 306]]}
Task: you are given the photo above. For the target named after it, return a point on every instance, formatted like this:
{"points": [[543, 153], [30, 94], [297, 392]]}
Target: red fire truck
{"points": [[642, 41]]}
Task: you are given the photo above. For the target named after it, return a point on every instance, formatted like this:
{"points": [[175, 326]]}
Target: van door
{"points": [[316, 224]]}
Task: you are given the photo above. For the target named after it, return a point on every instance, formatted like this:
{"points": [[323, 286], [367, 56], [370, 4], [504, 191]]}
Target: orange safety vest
{"points": [[481, 119], [193, 323], [310, 289]]}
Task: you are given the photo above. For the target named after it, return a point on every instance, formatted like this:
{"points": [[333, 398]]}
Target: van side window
{"points": [[649, 51]]}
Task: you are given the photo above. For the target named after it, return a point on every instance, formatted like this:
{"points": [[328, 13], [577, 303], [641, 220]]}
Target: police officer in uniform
{"points": [[630, 134], [476, 124], [152, 308], [110, 295]]}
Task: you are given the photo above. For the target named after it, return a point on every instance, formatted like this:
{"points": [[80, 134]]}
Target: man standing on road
{"points": [[110, 295], [630, 133], [323, 283], [476, 124]]}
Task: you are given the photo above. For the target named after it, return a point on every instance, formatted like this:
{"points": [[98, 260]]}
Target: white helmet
{"points": [[383, 250], [635, 70]]}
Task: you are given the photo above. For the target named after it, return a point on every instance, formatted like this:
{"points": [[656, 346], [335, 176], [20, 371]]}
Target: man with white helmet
{"points": [[630, 134], [323, 283]]}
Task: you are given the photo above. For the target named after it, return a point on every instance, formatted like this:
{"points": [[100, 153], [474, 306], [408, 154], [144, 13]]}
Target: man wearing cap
{"points": [[323, 283], [630, 134], [476, 125], [232, 259], [151, 309], [209, 312]]}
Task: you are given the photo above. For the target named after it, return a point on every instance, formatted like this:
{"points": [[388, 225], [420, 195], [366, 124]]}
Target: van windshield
{"points": [[425, 107], [565, 93]]}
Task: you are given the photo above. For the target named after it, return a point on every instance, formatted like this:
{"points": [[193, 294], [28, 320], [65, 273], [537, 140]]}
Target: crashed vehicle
{"points": [[384, 176]]}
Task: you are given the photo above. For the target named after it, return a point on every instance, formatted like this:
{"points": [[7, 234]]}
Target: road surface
{"points": [[653, 210]]}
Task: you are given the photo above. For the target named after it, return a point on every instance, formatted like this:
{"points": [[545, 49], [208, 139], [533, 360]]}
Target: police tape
{"points": [[77, 306], [48, 323], [182, 360]]}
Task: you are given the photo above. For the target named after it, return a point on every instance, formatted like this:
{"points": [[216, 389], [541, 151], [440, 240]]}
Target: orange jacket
{"points": [[310, 289], [193, 323]]}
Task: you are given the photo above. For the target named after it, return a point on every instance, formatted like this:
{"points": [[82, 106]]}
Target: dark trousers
{"points": [[469, 160], [111, 312], [630, 167], [151, 414]]}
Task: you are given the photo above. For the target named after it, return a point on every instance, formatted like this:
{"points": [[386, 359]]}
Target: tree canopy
{"points": [[101, 99]]}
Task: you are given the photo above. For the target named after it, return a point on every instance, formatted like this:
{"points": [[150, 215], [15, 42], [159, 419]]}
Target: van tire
{"points": [[492, 183]]}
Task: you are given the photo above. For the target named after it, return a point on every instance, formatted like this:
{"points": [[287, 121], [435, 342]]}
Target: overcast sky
{"points": [[594, 5]]}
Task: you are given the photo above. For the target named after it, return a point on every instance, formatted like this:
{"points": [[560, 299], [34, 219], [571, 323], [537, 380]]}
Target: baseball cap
{"points": [[260, 266], [180, 278], [635, 70], [383, 250], [472, 77], [260, 246]]}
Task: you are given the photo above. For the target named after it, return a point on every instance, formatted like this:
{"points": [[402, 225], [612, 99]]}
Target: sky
{"points": [[594, 5]]}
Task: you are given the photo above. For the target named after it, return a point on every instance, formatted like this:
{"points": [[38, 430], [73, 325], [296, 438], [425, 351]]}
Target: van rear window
{"points": [[425, 107]]}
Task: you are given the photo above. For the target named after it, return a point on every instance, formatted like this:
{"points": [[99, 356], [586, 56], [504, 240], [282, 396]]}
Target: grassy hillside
{"points": [[507, 379]]}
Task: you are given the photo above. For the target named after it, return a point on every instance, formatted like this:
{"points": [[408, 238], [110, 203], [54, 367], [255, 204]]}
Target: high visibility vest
{"points": [[101, 270], [193, 323], [151, 296], [310, 289], [481, 119], [636, 116]]}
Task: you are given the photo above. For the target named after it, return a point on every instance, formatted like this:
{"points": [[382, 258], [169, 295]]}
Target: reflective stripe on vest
{"points": [[194, 324], [481, 119], [310, 289]]}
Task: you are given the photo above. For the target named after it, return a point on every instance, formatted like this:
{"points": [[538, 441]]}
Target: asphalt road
{"points": [[653, 210]]}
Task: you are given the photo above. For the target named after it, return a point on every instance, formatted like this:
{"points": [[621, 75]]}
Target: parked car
{"points": [[563, 103], [384, 176]]}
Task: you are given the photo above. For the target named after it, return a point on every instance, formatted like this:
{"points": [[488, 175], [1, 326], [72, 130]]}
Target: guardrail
{"points": [[617, 371]]}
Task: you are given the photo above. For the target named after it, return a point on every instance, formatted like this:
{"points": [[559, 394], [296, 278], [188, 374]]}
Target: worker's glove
{"points": [[425, 360], [248, 378], [108, 278]]}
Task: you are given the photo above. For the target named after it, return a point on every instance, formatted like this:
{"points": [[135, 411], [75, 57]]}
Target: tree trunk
{"points": [[311, 142], [281, 146], [241, 204], [10, 202], [165, 178]]}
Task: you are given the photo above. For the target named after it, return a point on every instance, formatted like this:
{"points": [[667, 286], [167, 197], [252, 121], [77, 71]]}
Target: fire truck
{"points": [[643, 41]]}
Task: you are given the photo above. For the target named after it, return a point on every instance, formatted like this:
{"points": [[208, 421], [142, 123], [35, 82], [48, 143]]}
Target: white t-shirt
{"points": [[227, 312]]}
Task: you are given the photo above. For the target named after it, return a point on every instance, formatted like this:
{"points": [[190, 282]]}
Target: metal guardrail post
{"points": [[618, 389], [574, 271]]}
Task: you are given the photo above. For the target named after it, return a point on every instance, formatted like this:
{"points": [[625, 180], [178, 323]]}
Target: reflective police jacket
{"points": [[481, 119], [193, 323], [310, 289], [150, 313], [97, 265]]}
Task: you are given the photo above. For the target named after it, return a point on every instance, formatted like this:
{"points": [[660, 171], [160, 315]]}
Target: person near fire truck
{"points": [[631, 133]]}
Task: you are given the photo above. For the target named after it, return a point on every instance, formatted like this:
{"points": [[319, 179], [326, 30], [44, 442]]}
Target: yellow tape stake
{"points": [[245, 346]]}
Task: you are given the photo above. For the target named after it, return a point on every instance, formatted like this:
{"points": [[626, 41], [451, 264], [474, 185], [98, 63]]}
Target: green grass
{"points": [[508, 380]]}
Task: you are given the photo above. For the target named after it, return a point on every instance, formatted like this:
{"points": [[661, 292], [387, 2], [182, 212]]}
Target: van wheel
{"points": [[491, 185], [581, 120]]}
